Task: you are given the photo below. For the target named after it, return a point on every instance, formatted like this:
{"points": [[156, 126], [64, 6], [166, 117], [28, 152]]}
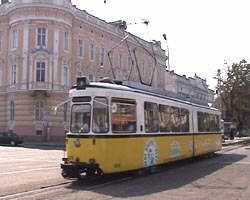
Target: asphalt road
{"points": [[33, 173]]}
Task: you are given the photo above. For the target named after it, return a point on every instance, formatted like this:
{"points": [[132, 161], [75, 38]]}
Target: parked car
{"points": [[10, 138]]}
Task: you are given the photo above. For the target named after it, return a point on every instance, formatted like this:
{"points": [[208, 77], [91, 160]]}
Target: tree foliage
{"points": [[235, 93]]}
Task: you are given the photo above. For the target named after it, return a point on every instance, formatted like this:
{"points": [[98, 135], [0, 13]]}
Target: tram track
{"points": [[70, 185], [102, 181]]}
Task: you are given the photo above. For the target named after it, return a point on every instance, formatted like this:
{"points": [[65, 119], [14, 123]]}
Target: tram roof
{"points": [[124, 86]]}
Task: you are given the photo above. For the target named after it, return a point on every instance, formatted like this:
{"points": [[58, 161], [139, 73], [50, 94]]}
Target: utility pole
{"points": [[218, 77]]}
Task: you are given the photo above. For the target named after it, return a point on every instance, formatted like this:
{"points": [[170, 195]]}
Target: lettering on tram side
{"points": [[175, 149], [207, 144], [150, 153]]}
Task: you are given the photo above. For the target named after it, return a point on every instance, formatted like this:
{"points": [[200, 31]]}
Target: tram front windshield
{"points": [[80, 118]]}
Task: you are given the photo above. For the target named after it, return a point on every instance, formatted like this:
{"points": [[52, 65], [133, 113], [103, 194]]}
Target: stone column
{"points": [[25, 55], [55, 59]]}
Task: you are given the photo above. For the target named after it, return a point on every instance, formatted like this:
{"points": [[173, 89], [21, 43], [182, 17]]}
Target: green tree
{"points": [[235, 93]]}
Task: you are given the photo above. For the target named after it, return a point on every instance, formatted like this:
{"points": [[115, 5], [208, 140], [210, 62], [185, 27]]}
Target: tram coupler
{"points": [[74, 170]]}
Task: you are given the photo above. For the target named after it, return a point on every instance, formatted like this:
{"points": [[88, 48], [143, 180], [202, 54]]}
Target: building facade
{"points": [[45, 45], [194, 89]]}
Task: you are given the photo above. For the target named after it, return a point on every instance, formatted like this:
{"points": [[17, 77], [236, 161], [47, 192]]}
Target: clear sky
{"points": [[201, 33]]}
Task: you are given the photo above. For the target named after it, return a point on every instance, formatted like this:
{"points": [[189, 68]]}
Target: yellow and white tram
{"points": [[116, 128]]}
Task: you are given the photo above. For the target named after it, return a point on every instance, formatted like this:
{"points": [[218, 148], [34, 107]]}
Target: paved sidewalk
{"points": [[236, 140]]}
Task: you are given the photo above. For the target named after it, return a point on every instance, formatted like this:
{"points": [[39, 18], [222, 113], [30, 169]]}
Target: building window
{"points": [[143, 68], [12, 111], [150, 70], [66, 40], [120, 61], [40, 72], [1, 74], [1, 33], [102, 55], [111, 57], [13, 75], [14, 39], [91, 77], [91, 51], [65, 75], [129, 63], [41, 37], [80, 47], [39, 111]]}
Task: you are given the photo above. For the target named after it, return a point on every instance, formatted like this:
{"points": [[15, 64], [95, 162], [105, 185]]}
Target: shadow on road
{"points": [[170, 176]]}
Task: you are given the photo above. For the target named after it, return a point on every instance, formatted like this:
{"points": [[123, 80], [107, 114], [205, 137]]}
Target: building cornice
{"points": [[39, 18], [82, 16]]}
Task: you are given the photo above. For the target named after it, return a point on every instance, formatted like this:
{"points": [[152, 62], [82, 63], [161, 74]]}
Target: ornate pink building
{"points": [[44, 46]]}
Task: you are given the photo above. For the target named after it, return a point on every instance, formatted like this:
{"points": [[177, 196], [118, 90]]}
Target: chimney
{"points": [[4, 1]]}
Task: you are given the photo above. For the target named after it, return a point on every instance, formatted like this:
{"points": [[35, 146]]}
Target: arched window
{"points": [[39, 111]]}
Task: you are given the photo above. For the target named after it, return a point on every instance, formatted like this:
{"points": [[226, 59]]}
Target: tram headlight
{"points": [[92, 161]]}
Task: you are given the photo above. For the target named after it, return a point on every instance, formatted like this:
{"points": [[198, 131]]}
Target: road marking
{"points": [[29, 170]]}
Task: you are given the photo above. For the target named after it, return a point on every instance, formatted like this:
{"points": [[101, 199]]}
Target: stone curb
{"points": [[239, 141], [42, 145]]}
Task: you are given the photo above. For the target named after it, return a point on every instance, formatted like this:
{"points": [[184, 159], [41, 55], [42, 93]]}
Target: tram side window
{"points": [[123, 115], [151, 117], [184, 120], [212, 122], [80, 118], [175, 119], [207, 122], [203, 122], [100, 115], [217, 123], [165, 118]]}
